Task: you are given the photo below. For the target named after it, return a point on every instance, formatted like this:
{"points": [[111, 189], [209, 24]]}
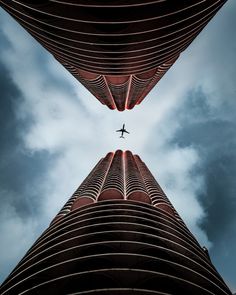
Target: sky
{"points": [[53, 131]]}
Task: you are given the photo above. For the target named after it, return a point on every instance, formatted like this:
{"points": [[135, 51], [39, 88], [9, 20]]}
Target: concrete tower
{"points": [[118, 235], [117, 49]]}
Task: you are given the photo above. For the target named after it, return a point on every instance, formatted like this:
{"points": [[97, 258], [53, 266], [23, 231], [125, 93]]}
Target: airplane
{"points": [[122, 130]]}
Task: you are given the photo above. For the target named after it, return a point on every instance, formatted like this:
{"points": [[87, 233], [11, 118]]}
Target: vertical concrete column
{"points": [[157, 195], [90, 191], [113, 187], [119, 86], [135, 187]]}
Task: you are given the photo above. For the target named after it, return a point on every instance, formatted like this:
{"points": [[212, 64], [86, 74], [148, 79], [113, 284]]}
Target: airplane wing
{"points": [[126, 131], [119, 130]]}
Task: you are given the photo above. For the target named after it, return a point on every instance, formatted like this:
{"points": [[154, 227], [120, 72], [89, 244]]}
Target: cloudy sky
{"points": [[52, 132]]}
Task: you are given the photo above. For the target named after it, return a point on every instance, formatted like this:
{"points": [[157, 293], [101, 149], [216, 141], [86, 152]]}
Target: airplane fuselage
{"points": [[122, 130]]}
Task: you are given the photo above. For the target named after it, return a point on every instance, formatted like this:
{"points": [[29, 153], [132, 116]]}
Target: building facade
{"points": [[117, 49], [118, 234]]}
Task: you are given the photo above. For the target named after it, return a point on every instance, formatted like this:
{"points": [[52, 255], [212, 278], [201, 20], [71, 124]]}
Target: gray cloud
{"points": [[17, 199], [212, 134], [20, 173]]}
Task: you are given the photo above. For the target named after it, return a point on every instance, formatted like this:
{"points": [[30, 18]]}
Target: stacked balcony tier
{"points": [[116, 247]]}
